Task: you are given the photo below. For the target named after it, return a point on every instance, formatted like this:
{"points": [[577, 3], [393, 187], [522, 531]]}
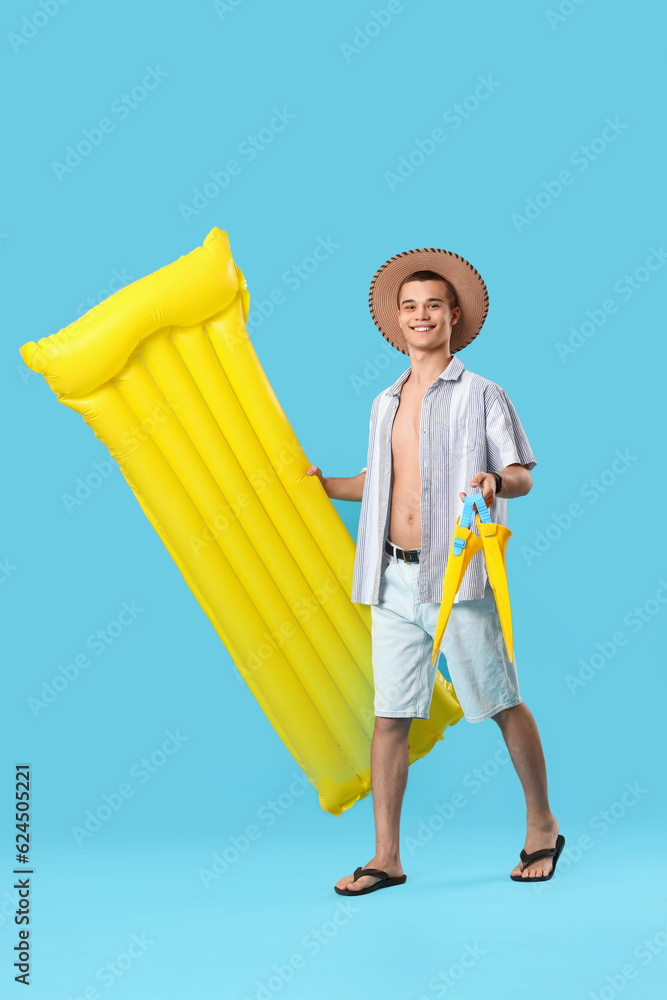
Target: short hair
{"points": [[452, 297]]}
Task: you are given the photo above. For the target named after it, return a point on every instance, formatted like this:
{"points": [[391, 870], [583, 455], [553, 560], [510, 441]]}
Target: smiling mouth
{"points": [[421, 329]]}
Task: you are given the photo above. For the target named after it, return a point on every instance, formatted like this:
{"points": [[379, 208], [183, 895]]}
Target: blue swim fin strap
{"points": [[471, 501], [482, 509], [464, 522]]}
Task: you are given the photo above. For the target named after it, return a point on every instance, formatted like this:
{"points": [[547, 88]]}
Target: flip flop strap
{"points": [[360, 872], [547, 852]]}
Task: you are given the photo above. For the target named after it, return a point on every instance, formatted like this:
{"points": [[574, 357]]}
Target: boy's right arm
{"points": [[350, 488]]}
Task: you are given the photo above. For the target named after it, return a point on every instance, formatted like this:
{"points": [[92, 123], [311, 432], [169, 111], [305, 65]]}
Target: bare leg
{"points": [[389, 775], [523, 742]]}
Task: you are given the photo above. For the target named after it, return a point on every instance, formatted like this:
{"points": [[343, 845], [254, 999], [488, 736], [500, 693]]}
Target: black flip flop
{"points": [[547, 852], [385, 882]]}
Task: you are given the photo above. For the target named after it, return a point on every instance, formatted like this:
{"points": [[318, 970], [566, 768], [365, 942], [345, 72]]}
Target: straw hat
{"points": [[468, 283]]}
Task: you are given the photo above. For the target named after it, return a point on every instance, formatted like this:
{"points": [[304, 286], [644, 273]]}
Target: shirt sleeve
{"points": [[506, 440], [374, 409]]}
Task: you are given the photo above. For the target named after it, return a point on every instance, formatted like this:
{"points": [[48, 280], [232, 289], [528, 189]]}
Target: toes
{"points": [[364, 883], [535, 872], [346, 882]]}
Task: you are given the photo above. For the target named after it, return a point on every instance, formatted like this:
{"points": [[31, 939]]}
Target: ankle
{"points": [[387, 858], [542, 820]]}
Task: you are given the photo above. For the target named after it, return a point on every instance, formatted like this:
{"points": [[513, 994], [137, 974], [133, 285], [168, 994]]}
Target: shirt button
{"points": [[462, 423], [384, 503]]}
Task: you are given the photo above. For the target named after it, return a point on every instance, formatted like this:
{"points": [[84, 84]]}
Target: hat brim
{"points": [[470, 289]]}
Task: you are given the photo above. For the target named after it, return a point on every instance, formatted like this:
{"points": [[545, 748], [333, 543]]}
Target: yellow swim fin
{"points": [[494, 541], [465, 544]]}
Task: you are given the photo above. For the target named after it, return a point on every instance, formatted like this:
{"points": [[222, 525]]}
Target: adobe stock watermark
{"points": [[364, 34], [237, 846], [118, 280], [112, 802], [247, 150], [446, 979], [121, 108], [84, 488], [563, 12], [601, 823], [224, 7], [262, 307], [271, 641], [114, 969], [625, 288], [373, 368], [454, 116], [27, 374], [8, 906], [7, 569], [582, 157], [98, 642], [137, 434], [592, 490], [312, 943], [32, 25], [291, 278], [259, 479], [443, 812], [644, 953], [636, 619]]}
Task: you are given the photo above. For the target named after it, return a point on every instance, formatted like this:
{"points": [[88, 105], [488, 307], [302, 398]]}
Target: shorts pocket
{"points": [[386, 559]]}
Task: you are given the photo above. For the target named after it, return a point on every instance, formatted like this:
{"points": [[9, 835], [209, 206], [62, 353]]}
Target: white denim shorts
{"points": [[402, 633]]}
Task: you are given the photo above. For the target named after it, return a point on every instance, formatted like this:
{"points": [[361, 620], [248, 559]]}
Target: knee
{"points": [[506, 714], [392, 727]]}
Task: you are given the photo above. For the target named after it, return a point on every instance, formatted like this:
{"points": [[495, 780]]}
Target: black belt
{"points": [[407, 555]]}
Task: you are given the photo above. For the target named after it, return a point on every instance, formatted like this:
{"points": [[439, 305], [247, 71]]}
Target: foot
{"points": [[538, 836], [392, 868]]}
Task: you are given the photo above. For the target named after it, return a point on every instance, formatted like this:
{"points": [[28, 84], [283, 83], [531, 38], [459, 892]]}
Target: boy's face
{"points": [[424, 314]]}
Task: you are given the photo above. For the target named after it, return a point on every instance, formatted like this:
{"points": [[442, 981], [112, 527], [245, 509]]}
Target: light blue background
{"points": [[67, 574]]}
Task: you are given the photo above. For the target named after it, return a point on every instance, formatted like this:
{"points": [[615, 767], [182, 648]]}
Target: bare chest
{"points": [[406, 429]]}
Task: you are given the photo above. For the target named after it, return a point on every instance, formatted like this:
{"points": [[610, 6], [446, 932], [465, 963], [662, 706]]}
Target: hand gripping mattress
{"points": [[165, 374]]}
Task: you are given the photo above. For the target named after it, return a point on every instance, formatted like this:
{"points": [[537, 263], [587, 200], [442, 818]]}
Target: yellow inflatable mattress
{"points": [[165, 374]]}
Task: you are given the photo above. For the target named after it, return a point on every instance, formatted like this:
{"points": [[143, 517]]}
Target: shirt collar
{"points": [[452, 371]]}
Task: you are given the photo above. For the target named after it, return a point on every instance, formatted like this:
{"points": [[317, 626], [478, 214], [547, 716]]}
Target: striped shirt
{"points": [[468, 424]]}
